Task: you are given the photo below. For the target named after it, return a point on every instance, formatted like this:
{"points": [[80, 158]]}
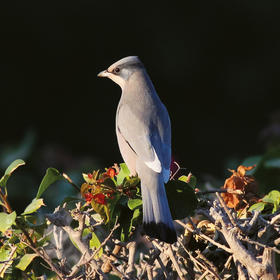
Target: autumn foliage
{"points": [[104, 225], [241, 188]]}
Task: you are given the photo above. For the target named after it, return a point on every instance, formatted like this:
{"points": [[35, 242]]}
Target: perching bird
{"points": [[144, 138]]}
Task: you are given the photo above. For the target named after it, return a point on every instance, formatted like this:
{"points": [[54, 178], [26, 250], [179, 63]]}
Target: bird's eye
{"points": [[117, 70]]}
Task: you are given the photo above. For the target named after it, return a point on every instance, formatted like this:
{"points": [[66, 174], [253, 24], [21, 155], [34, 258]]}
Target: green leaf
{"points": [[136, 219], [274, 198], [5, 255], [124, 218], [52, 175], [183, 178], [257, 207], [124, 172], [134, 203], [25, 261], [129, 182], [182, 199], [7, 220], [101, 209], [74, 243], [191, 181], [95, 243], [33, 206], [12, 167]]}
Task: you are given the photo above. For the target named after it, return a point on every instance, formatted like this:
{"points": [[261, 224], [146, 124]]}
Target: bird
{"points": [[144, 137]]}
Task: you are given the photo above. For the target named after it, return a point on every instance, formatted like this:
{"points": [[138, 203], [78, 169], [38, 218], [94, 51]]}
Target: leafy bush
{"points": [[112, 200], [99, 233]]}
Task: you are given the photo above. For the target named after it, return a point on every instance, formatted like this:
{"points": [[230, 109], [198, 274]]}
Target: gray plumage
{"points": [[144, 138]]}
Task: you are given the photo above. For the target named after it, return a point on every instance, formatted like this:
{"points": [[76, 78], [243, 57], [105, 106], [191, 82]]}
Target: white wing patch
{"points": [[155, 164]]}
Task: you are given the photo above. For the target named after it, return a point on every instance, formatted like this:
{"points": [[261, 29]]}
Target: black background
{"points": [[215, 65]]}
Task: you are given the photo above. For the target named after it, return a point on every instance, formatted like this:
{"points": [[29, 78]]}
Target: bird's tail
{"points": [[157, 220]]}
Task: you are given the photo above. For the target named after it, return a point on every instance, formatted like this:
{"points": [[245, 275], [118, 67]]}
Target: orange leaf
{"points": [[242, 169], [239, 181]]}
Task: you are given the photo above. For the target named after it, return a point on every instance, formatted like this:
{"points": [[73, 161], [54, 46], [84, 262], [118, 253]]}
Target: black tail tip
{"points": [[160, 231]]}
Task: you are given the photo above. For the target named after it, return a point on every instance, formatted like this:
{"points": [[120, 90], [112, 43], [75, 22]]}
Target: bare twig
{"points": [[203, 275], [119, 273], [7, 263], [202, 235], [43, 255], [60, 217], [200, 263], [227, 211], [275, 219], [208, 263], [240, 253], [177, 170], [253, 222], [149, 272], [164, 270], [71, 182], [232, 191], [57, 234], [174, 261], [132, 250], [106, 267], [228, 262], [261, 245], [277, 241], [90, 258]]}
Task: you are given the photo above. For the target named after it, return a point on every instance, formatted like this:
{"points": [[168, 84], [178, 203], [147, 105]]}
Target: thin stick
{"points": [[208, 263], [199, 262], [5, 202], [71, 182], [202, 235], [46, 258], [131, 256], [149, 272], [105, 240], [275, 219], [7, 262], [277, 241], [119, 273], [106, 267], [164, 270], [233, 222], [232, 191], [203, 275], [178, 168], [261, 245], [90, 259], [175, 263], [228, 262]]}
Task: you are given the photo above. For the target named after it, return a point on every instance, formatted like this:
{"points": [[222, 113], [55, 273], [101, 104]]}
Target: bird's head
{"points": [[120, 71]]}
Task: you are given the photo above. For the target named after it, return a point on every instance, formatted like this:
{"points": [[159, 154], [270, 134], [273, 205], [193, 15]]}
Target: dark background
{"points": [[215, 64]]}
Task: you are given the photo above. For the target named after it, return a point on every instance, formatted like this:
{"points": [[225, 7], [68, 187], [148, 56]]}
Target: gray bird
{"points": [[144, 138]]}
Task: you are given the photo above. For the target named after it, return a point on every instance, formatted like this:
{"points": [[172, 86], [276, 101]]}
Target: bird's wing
{"points": [[146, 138]]}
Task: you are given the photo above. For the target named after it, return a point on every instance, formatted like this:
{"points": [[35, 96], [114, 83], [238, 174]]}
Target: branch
{"points": [[233, 222], [232, 191], [71, 182], [131, 256], [255, 269], [200, 262], [202, 235]]}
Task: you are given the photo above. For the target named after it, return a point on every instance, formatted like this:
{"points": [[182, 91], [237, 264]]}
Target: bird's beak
{"points": [[103, 74]]}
